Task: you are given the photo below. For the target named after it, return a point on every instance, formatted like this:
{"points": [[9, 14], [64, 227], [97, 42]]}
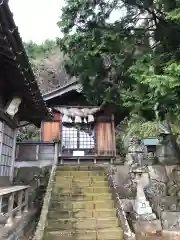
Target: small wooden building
{"points": [[84, 131], [20, 98]]}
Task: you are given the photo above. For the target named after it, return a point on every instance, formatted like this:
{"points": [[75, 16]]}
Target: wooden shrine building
{"points": [[20, 98], [84, 131], [20, 102]]}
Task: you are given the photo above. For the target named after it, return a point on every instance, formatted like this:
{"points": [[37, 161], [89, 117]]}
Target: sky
{"points": [[37, 19]]}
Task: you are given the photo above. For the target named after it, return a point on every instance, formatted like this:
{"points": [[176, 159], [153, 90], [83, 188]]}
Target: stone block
{"points": [[60, 224], [121, 174], [102, 213], [150, 227], [83, 205], [82, 214], [85, 224], [107, 223], [170, 220], [104, 204], [85, 235], [63, 197], [168, 203], [54, 214], [98, 197], [127, 204], [68, 235], [110, 234], [96, 190], [169, 172], [158, 173]]}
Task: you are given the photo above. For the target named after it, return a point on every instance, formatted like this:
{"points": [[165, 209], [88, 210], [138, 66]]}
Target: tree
{"points": [[29, 132], [132, 62], [100, 52], [46, 61]]}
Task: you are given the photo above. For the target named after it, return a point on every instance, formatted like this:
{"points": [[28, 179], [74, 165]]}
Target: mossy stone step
{"points": [[80, 168], [84, 190], [82, 204], [80, 173], [81, 197], [81, 188], [81, 184], [110, 234], [68, 235], [81, 213], [80, 178], [81, 223], [100, 234]]}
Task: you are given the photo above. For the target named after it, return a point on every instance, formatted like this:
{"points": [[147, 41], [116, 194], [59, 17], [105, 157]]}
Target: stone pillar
{"points": [[142, 207]]}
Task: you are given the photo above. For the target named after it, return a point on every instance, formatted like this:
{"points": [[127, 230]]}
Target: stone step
{"points": [[81, 213], [100, 190], [73, 184], [81, 197], [80, 173], [81, 223], [80, 178], [82, 205], [103, 234], [80, 168]]}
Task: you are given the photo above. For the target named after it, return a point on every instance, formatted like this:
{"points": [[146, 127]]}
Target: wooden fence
{"points": [[35, 151]]}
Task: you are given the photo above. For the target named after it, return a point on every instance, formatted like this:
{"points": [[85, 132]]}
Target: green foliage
{"points": [[174, 15], [115, 60], [29, 132], [35, 50], [99, 52], [159, 88]]}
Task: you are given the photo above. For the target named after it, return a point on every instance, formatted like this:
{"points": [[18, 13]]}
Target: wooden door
{"points": [[51, 130], [105, 139]]}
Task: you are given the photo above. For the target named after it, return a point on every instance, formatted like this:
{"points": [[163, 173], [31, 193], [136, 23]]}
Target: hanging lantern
{"points": [[90, 118], [65, 118], [77, 119]]}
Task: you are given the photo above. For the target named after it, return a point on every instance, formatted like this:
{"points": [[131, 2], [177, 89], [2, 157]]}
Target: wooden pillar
{"points": [[10, 210]]}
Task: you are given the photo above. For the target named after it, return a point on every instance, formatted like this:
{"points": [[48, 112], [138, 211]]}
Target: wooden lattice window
{"points": [[78, 137], [6, 148]]}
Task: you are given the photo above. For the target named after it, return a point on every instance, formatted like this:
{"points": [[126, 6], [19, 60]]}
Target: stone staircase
{"points": [[81, 206]]}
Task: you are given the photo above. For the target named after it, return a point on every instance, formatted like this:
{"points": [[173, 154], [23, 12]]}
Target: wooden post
{"points": [[20, 197], [37, 152], [55, 153], [26, 200], [13, 157], [114, 135], [10, 210]]}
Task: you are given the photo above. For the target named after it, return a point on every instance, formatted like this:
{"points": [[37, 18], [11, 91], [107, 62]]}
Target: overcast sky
{"points": [[36, 19]]}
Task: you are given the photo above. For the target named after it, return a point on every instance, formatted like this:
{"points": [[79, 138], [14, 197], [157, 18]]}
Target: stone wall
{"points": [[164, 190]]}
